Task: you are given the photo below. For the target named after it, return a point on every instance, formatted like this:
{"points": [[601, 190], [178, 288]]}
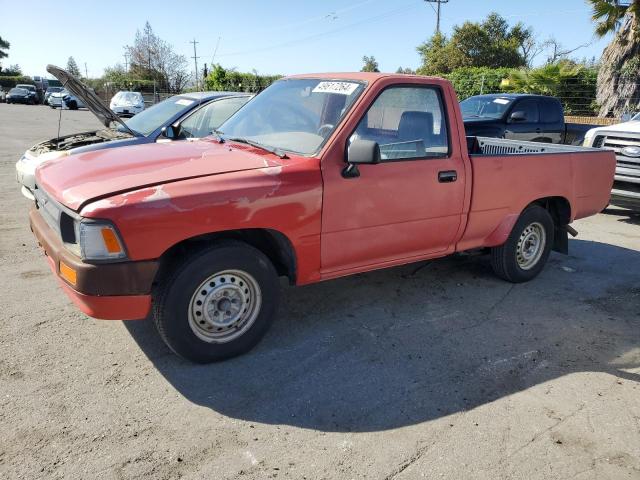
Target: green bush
{"points": [[10, 82], [221, 79]]}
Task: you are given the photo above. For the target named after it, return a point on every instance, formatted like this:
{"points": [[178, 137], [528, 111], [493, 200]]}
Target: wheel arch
{"points": [[274, 244], [560, 210]]}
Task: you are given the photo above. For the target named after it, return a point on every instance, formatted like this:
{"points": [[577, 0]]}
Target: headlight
{"points": [[99, 240]]}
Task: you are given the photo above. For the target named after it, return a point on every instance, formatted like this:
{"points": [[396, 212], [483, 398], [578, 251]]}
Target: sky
{"points": [[272, 37]]}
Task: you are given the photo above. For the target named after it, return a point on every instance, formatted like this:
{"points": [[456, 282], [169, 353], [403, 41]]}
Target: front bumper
{"points": [[110, 291], [128, 110]]}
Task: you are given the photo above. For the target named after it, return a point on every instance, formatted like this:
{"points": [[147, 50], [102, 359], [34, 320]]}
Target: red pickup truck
{"points": [[318, 177]]}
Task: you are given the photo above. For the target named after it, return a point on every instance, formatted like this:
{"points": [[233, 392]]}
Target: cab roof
{"points": [[360, 76]]}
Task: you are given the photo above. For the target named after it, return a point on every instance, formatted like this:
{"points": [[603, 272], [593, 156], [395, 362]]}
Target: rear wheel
{"points": [[218, 303], [526, 251]]}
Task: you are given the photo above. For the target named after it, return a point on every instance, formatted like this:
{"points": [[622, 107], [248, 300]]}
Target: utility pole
{"points": [[126, 62], [195, 61], [438, 2], [215, 51], [86, 72]]}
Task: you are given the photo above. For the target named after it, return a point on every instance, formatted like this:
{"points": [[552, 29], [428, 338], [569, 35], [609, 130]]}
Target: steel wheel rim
{"points": [[224, 306], [531, 245]]}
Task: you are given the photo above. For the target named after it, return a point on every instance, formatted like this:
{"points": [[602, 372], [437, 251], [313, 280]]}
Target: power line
{"points": [[375, 18], [439, 3]]}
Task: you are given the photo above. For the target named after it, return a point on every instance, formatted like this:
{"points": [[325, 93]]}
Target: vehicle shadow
{"points": [[632, 217], [402, 346]]}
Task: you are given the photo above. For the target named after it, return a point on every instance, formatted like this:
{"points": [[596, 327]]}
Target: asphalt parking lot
{"points": [[433, 370]]}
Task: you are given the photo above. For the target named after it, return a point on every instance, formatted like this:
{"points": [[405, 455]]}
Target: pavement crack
{"points": [[493, 308], [545, 431]]}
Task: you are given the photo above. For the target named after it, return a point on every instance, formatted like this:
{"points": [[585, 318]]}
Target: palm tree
{"points": [[619, 75], [4, 46]]}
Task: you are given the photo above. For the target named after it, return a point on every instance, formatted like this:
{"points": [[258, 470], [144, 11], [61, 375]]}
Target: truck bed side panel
{"points": [[503, 186]]}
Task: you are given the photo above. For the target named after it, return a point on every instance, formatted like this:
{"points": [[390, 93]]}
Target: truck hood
{"points": [[88, 97], [78, 179], [626, 127]]}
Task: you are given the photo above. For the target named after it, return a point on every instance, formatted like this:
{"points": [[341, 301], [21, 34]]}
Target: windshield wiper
{"points": [[217, 134], [276, 151]]}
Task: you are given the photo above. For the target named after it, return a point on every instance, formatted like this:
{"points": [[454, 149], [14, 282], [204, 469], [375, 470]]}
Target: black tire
{"points": [[174, 301], [504, 259]]}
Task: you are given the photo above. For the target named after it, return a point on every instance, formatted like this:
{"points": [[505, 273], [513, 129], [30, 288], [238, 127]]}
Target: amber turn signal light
{"points": [[110, 240], [68, 273]]}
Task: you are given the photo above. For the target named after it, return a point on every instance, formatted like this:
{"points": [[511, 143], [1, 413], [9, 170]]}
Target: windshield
{"points": [[485, 106], [158, 115], [295, 115], [18, 91], [54, 89], [127, 97], [26, 87]]}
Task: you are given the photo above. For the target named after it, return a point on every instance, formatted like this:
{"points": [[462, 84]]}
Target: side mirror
{"points": [[360, 152], [518, 116], [171, 132], [363, 152]]}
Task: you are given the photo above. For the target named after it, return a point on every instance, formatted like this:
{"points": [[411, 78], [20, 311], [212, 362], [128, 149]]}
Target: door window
{"points": [[208, 118], [407, 123], [551, 111], [530, 109]]}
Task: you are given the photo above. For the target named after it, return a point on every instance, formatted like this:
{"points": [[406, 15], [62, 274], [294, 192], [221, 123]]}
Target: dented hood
{"points": [[90, 99], [78, 179]]}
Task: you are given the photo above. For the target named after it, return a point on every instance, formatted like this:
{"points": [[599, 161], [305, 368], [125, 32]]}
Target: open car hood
{"points": [[90, 99]]}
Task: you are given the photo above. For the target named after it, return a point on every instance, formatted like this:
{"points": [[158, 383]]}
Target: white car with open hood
{"points": [[186, 116]]}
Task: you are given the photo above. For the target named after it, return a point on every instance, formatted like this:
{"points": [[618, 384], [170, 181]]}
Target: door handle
{"points": [[538, 130], [447, 176]]}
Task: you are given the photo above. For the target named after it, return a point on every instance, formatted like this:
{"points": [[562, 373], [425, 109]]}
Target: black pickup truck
{"points": [[535, 118]]}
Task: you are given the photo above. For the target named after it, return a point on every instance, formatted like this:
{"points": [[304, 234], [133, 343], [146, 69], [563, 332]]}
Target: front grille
{"points": [[626, 166], [56, 216]]}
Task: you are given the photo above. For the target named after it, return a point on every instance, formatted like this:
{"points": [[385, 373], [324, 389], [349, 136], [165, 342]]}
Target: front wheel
{"points": [[218, 303], [526, 251]]}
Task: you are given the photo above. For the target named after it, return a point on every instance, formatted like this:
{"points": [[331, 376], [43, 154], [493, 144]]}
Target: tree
{"points": [[4, 46], [618, 87], [557, 51], [491, 43], [405, 71], [572, 83], [154, 59], [12, 71], [72, 67], [370, 64]]}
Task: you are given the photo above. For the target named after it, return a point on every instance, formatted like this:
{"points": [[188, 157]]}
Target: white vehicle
{"points": [[65, 100], [127, 103], [624, 139]]}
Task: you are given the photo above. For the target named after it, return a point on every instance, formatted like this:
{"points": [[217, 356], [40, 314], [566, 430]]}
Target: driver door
{"points": [[405, 208]]}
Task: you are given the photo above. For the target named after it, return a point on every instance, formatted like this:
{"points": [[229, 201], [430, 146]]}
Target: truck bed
{"points": [[505, 172], [478, 146]]}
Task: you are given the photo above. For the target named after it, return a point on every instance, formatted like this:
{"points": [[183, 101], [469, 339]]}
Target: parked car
{"points": [[55, 98], [127, 104], [33, 93], [318, 177], [535, 118], [49, 91], [191, 115], [19, 95], [624, 140]]}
